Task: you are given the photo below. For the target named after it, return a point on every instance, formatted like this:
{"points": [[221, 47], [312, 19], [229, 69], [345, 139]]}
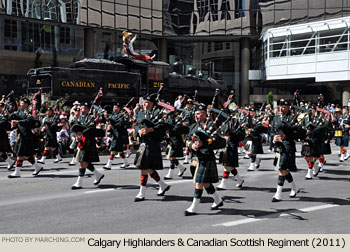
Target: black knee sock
{"points": [[289, 178], [82, 172], [90, 167], [198, 193], [281, 180], [210, 189]]}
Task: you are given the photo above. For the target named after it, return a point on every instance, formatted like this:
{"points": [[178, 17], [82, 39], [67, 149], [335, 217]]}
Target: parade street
{"points": [[46, 204]]}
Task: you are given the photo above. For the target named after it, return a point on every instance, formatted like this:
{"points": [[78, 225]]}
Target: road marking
{"points": [[274, 215]]}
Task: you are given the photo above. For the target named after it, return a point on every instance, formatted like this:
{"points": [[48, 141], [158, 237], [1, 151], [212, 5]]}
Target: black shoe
{"points": [[106, 168], [40, 162], [220, 189], [165, 190], [37, 173], [76, 187], [241, 184], [166, 178], [98, 181], [275, 200], [11, 176], [293, 196], [217, 206], [182, 173], [189, 213], [139, 199]]}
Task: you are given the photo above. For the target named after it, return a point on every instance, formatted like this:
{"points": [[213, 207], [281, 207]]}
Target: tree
{"points": [[269, 99]]}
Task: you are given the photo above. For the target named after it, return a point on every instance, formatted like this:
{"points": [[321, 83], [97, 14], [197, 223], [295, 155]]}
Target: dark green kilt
{"points": [[26, 146], [4, 142], [230, 156], [51, 142], [207, 172], [311, 149], [89, 153], [152, 158]]}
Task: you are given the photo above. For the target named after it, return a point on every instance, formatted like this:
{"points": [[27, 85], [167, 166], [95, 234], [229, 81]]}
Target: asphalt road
{"points": [[46, 204]]}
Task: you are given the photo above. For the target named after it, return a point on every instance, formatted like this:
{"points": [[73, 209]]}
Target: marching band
{"points": [[194, 131]]}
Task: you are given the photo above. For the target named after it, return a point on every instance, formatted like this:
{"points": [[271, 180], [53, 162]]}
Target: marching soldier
{"points": [[312, 143], [4, 140], [254, 144], [74, 119], [233, 136], [190, 110], [341, 127], [284, 133], [50, 128], [176, 129], [86, 134], [119, 121], [203, 158], [25, 149], [149, 157]]}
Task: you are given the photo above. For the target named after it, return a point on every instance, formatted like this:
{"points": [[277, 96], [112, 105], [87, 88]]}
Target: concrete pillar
{"points": [[163, 50], [346, 95], [245, 65], [89, 43]]}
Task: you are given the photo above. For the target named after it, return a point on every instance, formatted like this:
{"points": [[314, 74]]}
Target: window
{"points": [[218, 46], [228, 46], [225, 8], [209, 47], [155, 73], [214, 9], [239, 8], [65, 35], [10, 34]]}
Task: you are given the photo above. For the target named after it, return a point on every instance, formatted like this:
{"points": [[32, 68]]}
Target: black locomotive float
{"points": [[121, 79]]}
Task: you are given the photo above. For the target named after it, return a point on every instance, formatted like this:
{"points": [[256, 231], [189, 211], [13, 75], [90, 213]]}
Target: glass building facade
{"points": [[206, 34]]}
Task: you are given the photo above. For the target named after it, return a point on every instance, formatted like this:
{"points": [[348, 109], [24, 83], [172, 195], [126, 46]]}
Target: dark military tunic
{"points": [[206, 169], [26, 144], [120, 122], [4, 140], [152, 158], [283, 125]]}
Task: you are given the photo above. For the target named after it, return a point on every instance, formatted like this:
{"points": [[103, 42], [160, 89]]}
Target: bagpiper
{"points": [[4, 140], [117, 127], [341, 128], [25, 149], [285, 132], [86, 133], [149, 158], [203, 159], [50, 127]]}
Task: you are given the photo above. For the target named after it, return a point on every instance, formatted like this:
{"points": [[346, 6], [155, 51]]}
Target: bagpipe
{"points": [[124, 115], [89, 120], [56, 113], [163, 110], [7, 103]]}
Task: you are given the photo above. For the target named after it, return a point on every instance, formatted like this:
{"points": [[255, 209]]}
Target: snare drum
{"points": [[338, 133]]}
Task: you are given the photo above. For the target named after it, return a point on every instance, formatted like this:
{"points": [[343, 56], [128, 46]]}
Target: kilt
{"points": [[230, 156], [206, 172], [152, 158], [51, 142], [326, 148], [311, 149], [342, 141], [26, 146], [89, 153], [287, 162], [4, 142]]}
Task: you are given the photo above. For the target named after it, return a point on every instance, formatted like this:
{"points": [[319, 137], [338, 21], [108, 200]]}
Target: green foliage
{"points": [[269, 99]]}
